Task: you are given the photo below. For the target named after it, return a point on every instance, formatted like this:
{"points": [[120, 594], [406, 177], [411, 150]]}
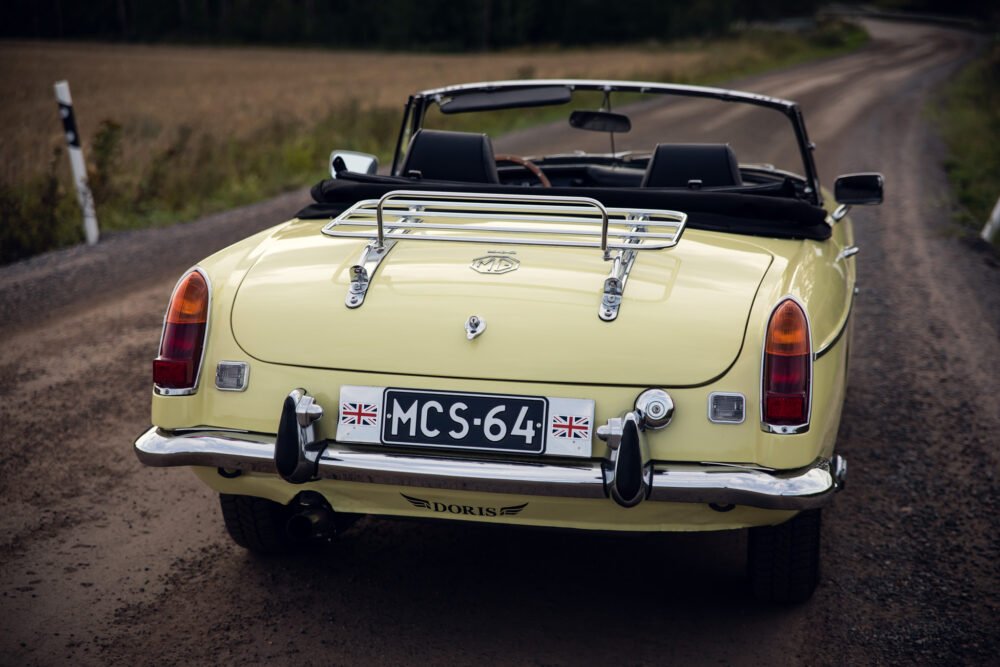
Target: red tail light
{"points": [[787, 369], [177, 367]]}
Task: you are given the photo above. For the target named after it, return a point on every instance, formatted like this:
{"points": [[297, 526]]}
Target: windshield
{"points": [[731, 161], [757, 135]]}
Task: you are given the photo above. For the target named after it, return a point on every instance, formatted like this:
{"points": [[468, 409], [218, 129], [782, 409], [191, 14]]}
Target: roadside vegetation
{"points": [[173, 133], [970, 123]]}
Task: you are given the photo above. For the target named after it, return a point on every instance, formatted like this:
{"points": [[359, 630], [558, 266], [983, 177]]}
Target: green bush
{"points": [[970, 124], [38, 215]]}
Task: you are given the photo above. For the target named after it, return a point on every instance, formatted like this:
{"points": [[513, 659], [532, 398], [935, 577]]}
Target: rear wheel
{"points": [[256, 524], [783, 560]]}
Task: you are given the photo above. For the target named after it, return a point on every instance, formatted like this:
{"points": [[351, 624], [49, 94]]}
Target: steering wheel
{"points": [[535, 170]]}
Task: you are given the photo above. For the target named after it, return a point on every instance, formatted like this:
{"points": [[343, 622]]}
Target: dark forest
{"points": [[428, 25]]}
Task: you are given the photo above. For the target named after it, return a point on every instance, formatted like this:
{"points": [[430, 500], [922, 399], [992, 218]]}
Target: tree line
{"points": [[428, 25]]}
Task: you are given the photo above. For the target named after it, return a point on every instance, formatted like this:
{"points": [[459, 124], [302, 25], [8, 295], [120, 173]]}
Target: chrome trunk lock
{"points": [[628, 472], [297, 448], [474, 326]]}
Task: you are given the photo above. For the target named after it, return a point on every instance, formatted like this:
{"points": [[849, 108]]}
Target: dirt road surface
{"points": [[103, 561]]}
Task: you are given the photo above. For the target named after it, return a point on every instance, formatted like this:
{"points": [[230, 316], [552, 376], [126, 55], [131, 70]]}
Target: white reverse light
{"points": [[232, 375], [725, 408]]}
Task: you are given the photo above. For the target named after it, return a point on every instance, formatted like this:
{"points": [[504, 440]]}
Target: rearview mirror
{"points": [[858, 189], [359, 163], [600, 121]]}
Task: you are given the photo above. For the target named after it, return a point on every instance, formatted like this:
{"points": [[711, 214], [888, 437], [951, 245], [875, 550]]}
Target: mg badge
{"points": [[495, 264]]}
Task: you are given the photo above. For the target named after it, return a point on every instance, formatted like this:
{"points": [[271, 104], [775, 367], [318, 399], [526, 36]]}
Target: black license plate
{"points": [[491, 422]]}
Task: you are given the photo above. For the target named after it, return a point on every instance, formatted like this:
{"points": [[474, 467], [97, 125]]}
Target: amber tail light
{"points": [[177, 367], [787, 368]]}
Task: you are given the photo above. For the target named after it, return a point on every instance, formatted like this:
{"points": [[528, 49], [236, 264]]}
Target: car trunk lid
{"points": [[682, 319]]}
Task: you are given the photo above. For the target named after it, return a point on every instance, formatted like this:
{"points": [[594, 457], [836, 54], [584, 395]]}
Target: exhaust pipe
{"points": [[315, 522], [311, 518]]}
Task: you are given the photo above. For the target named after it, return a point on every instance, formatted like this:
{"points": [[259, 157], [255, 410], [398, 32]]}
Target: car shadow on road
{"points": [[412, 590]]}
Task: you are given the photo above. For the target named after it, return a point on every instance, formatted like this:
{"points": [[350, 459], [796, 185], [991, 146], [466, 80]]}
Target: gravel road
{"points": [[103, 561]]}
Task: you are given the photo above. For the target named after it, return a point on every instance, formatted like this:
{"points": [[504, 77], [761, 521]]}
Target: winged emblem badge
{"points": [[467, 510]]}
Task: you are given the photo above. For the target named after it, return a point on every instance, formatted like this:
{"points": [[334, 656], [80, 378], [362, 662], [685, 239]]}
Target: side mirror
{"points": [[360, 163], [858, 189], [600, 121]]}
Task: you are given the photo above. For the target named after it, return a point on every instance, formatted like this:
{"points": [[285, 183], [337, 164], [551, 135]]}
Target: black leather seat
{"points": [[438, 155], [684, 165]]}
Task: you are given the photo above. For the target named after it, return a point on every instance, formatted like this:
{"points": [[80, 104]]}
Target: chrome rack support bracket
{"points": [[371, 257], [612, 299], [362, 272], [614, 284]]}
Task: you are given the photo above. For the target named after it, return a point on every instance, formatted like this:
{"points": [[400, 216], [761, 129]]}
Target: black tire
{"points": [[256, 524], [783, 560]]}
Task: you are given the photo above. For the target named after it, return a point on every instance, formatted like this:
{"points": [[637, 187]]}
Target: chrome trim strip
{"points": [[214, 429], [187, 391], [738, 466], [167, 391], [805, 488], [615, 85], [849, 251], [785, 430]]}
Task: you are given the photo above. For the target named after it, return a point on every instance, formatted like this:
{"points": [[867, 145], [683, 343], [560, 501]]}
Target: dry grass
{"points": [[171, 133], [227, 92]]}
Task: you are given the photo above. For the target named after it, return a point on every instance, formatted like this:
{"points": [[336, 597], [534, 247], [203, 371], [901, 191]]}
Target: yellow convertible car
{"points": [[636, 321]]}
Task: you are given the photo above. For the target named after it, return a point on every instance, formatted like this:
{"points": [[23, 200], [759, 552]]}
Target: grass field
{"points": [[970, 122], [171, 132]]}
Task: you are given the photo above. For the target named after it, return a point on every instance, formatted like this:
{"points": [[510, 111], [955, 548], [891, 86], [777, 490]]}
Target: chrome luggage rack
{"points": [[579, 222]]}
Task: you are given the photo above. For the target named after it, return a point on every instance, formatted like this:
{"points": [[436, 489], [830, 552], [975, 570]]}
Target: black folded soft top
{"points": [[735, 213]]}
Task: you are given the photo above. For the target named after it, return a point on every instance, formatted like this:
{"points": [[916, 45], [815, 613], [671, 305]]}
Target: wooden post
{"points": [[83, 194], [992, 225]]}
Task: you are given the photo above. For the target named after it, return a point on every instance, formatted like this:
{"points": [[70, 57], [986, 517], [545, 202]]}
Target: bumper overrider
{"points": [[628, 476]]}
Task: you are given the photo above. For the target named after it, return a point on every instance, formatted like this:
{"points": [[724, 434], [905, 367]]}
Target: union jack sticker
{"points": [[571, 426], [358, 414]]}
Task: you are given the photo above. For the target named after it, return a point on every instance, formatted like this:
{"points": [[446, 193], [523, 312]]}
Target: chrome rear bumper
{"points": [[801, 489]]}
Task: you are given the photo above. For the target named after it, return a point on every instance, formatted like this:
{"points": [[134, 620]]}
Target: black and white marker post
{"points": [[76, 160]]}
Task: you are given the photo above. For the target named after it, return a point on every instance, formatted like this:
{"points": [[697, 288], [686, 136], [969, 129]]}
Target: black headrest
{"points": [[677, 165], [451, 156]]}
